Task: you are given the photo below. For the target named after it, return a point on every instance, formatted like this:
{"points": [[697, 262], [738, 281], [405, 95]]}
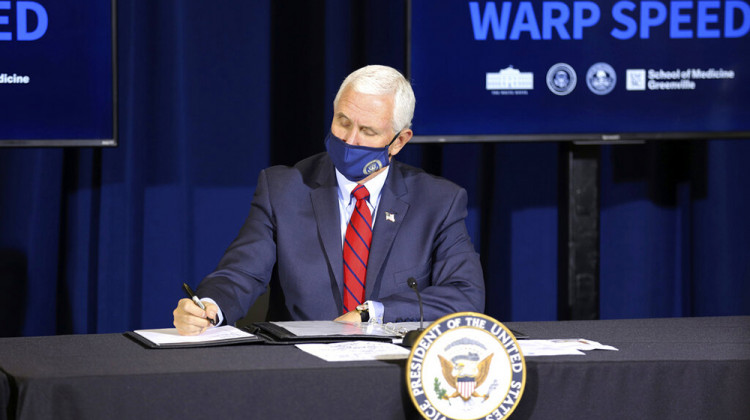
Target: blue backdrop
{"points": [[96, 241]]}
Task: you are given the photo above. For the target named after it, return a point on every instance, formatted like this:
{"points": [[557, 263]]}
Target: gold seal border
{"points": [[459, 315]]}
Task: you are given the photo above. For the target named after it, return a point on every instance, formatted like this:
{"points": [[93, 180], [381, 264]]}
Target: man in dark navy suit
{"points": [[336, 250]]}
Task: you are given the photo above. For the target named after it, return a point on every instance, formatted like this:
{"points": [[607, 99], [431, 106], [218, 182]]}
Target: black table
{"points": [[666, 368]]}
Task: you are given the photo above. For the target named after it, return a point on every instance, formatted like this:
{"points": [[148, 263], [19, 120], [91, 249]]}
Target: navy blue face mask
{"points": [[356, 162]]}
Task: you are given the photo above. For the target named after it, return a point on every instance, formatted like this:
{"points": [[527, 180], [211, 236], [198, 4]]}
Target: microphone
{"points": [[410, 338]]}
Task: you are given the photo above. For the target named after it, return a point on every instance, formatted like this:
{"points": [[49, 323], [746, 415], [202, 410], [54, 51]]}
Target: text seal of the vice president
{"points": [[466, 365]]}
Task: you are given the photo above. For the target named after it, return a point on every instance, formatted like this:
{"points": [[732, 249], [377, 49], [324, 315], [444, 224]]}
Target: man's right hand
{"points": [[189, 319]]}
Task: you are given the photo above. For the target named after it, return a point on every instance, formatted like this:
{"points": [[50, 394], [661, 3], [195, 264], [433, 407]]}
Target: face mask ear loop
{"points": [[388, 148]]}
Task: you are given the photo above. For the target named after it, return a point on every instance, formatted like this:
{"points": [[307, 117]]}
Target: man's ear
{"points": [[400, 142]]}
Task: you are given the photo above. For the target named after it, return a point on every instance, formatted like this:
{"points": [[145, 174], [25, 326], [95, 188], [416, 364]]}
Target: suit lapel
{"points": [[391, 212], [325, 203]]}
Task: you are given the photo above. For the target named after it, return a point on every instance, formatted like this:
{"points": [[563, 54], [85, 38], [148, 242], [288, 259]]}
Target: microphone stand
{"points": [[410, 338]]}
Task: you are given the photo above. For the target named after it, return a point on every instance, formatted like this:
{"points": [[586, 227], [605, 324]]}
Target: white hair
{"points": [[384, 80]]}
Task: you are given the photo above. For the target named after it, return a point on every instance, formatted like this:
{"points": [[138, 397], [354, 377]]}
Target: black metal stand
{"points": [[578, 249]]}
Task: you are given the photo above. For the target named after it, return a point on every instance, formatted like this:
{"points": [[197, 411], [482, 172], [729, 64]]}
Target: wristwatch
{"points": [[364, 311]]}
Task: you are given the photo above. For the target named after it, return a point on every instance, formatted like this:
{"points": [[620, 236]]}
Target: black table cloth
{"points": [[673, 368]]}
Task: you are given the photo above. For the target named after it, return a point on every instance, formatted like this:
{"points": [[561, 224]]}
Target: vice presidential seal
{"points": [[466, 366], [372, 166]]}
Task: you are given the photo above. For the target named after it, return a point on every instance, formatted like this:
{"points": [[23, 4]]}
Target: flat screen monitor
{"points": [[57, 73], [593, 71]]}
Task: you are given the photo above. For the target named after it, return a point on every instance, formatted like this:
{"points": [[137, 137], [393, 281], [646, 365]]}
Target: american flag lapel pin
{"points": [[391, 217]]}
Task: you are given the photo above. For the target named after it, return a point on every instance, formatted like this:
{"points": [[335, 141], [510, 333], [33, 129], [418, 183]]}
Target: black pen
{"points": [[195, 299]]}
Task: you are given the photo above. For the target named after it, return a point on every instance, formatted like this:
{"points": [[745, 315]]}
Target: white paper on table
{"points": [[171, 336], [559, 347], [334, 328], [582, 344], [348, 351]]}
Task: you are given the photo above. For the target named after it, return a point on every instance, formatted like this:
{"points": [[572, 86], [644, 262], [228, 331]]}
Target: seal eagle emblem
{"points": [[465, 377], [466, 366]]}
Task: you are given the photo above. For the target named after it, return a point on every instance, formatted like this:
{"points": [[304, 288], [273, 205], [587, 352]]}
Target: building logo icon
{"points": [[509, 79]]}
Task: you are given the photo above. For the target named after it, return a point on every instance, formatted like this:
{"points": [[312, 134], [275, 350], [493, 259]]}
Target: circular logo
{"points": [[371, 167], [561, 79], [466, 366], [601, 78]]}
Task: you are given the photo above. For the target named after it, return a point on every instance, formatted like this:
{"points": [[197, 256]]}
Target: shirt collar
{"points": [[374, 186]]}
